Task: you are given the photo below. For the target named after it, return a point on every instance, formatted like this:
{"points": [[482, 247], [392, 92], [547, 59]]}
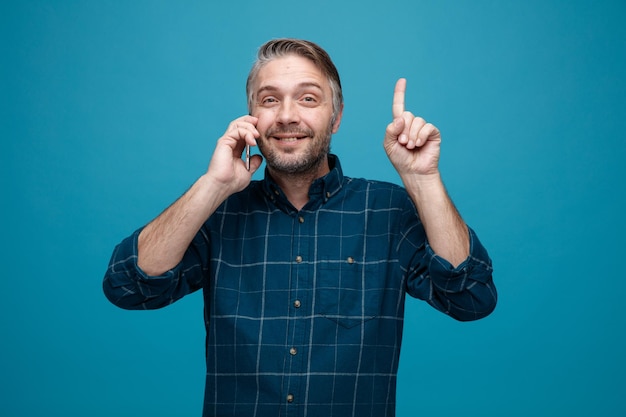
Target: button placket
{"points": [[300, 277]]}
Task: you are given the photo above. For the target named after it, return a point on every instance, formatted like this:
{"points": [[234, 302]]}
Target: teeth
{"points": [[288, 139]]}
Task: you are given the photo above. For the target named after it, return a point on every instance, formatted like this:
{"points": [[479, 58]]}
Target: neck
{"points": [[296, 185]]}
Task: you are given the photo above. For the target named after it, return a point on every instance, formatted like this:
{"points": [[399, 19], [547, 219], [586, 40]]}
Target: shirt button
{"points": [[290, 398], [293, 351], [301, 219], [297, 304], [350, 260], [298, 259]]}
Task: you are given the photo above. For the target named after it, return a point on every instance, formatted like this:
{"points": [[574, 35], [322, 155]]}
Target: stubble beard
{"points": [[306, 162]]}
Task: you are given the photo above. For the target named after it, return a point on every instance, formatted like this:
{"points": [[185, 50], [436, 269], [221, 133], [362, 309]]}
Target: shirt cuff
{"points": [[476, 267], [127, 268]]}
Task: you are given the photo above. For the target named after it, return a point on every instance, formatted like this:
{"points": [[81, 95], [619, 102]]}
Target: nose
{"points": [[288, 112]]}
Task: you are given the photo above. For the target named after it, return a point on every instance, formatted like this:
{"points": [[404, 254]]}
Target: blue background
{"points": [[110, 110]]}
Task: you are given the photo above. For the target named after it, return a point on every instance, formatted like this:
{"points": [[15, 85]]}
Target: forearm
{"points": [[163, 242], [446, 231], [128, 287], [465, 292]]}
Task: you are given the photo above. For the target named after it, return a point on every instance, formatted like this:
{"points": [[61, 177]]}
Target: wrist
{"points": [[213, 188], [423, 183]]}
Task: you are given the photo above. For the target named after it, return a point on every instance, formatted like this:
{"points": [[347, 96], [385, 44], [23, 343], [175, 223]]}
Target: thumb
{"points": [[255, 163], [394, 129]]}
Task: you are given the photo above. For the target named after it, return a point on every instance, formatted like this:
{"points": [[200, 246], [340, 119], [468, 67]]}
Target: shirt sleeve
{"points": [[465, 293], [127, 286]]}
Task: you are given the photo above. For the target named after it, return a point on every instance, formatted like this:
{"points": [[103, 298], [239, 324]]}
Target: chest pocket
{"points": [[349, 293]]}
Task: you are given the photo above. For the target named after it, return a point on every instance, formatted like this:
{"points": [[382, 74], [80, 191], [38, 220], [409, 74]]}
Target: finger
{"points": [[394, 129], [249, 119], [428, 132], [240, 129], [246, 121], [414, 133], [398, 98], [241, 137]]}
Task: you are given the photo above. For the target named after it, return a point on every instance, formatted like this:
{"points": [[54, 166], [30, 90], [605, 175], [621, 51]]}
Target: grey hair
{"points": [[279, 48]]}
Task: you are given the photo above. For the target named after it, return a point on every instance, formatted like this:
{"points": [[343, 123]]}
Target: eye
{"points": [[309, 100], [268, 101]]}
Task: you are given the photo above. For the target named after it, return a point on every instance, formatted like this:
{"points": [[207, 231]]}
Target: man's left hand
{"points": [[412, 144]]}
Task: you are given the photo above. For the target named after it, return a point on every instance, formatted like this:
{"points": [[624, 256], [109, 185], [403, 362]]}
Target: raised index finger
{"points": [[398, 98]]}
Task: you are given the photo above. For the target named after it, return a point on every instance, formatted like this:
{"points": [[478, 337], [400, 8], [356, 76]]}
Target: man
{"points": [[304, 273]]}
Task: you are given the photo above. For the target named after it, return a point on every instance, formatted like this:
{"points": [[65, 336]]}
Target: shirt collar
{"points": [[322, 189]]}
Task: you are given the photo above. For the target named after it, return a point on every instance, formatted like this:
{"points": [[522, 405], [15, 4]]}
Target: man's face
{"points": [[293, 101]]}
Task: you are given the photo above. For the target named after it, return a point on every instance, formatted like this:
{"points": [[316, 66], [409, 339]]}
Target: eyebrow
{"points": [[300, 86]]}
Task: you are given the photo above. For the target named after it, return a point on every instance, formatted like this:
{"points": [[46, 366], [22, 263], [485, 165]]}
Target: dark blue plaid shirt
{"points": [[304, 309]]}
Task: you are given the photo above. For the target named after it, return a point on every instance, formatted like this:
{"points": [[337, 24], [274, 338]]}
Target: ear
{"points": [[338, 120]]}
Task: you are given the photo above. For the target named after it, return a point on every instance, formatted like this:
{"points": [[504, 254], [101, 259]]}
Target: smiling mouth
{"points": [[289, 139], [289, 135]]}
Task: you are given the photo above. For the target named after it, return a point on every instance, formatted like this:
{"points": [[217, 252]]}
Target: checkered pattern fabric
{"points": [[304, 309]]}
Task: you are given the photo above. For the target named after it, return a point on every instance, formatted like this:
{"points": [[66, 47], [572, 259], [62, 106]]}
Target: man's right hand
{"points": [[227, 167], [163, 242]]}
